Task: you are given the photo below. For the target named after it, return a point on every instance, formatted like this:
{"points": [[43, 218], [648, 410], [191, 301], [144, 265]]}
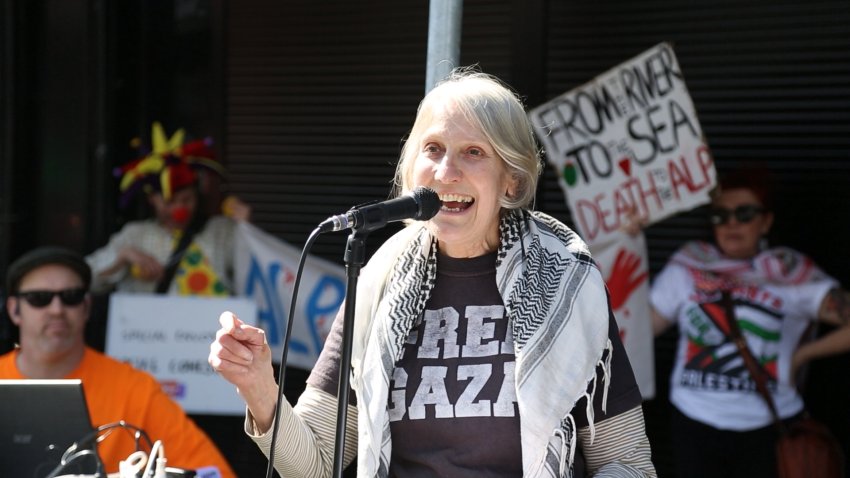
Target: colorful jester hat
{"points": [[170, 166]]}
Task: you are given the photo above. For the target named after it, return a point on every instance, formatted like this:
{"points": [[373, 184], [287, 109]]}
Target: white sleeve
{"points": [[105, 257], [804, 300], [669, 291]]}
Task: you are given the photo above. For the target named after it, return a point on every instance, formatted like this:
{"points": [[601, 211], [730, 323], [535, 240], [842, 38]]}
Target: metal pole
{"points": [[444, 22], [355, 257]]}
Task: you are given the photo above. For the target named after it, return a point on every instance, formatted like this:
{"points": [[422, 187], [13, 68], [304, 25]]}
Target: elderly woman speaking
{"points": [[483, 340]]}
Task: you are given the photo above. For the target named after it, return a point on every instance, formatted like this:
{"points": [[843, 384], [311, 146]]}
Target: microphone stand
{"points": [[355, 254]]}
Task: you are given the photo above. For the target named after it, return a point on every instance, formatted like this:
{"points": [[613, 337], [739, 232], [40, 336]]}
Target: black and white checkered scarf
{"points": [[555, 299]]}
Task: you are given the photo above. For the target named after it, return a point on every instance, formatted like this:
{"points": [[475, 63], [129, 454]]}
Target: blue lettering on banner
{"points": [[317, 312], [271, 313]]}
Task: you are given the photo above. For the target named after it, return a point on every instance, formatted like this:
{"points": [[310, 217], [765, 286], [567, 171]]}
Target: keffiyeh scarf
{"points": [[777, 265], [556, 301]]}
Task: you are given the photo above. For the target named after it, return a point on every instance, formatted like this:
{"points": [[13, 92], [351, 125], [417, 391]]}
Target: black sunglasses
{"points": [[743, 214], [43, 298]]}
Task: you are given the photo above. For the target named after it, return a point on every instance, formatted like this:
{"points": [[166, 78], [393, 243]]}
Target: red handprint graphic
{"points": [[623, 281]]}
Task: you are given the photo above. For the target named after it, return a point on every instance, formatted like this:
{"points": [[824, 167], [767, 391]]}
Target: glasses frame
{"points": [[70, 297], [743, 214]]}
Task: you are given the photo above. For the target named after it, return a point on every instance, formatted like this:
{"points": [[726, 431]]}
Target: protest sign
{"points": [[628, 145], [169, 337], [265, 271], [629, 140]]}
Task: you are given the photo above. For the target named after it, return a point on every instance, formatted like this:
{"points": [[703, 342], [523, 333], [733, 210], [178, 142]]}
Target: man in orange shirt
{"points": [[49, 303]]}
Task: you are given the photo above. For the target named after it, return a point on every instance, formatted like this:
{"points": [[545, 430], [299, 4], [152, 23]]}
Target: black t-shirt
{"points": [[452, 398]]}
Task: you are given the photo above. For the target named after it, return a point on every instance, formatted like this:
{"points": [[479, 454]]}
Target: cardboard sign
{"points": [[629, 140], [169, 337], [628, 144]]}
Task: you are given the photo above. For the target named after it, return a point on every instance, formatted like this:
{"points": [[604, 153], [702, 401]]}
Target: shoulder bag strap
{"points": [[756, 371]]}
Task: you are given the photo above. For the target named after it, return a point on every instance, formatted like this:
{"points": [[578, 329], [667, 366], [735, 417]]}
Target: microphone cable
{"points": [[282, 372]]}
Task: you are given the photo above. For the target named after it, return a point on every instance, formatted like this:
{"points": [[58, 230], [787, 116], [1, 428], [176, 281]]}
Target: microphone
{"points": [[420, 204]]}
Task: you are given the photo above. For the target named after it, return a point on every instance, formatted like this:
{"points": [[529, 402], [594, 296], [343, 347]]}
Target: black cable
{"points": [[70, 459], [74, 452], [282, 372]]}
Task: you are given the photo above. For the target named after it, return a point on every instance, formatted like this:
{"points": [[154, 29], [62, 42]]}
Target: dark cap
{"points": [[43, 256]]}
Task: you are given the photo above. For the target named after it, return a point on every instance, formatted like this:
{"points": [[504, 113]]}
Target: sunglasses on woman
{"points": [[43, 298], [743, 214]]}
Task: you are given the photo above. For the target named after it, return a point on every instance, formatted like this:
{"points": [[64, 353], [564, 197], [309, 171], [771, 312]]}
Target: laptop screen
{"points": [[39, 420]]}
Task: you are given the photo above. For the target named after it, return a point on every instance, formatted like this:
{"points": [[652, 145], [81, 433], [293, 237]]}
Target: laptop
{"points": [[39, 420]]}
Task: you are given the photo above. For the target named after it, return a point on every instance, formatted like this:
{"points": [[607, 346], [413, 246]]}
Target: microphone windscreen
{"points": [[429, 203]]}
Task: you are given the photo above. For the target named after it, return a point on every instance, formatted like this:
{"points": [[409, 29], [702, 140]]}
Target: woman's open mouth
{"points": [[455, 202]]}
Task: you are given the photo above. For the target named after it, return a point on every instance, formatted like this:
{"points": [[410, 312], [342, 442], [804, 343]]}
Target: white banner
{"points": [[169, 336], [265, 271], [628, 144]]}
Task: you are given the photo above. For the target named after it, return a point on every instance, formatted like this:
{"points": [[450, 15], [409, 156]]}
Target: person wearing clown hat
{"points": [[179, 250]]}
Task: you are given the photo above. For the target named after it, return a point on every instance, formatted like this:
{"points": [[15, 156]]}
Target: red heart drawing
{"points": [[626, 166]]}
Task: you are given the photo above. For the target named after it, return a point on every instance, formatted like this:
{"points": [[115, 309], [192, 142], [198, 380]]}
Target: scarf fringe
{"points": [[605, 363], [606, 373], [568, 435]]}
